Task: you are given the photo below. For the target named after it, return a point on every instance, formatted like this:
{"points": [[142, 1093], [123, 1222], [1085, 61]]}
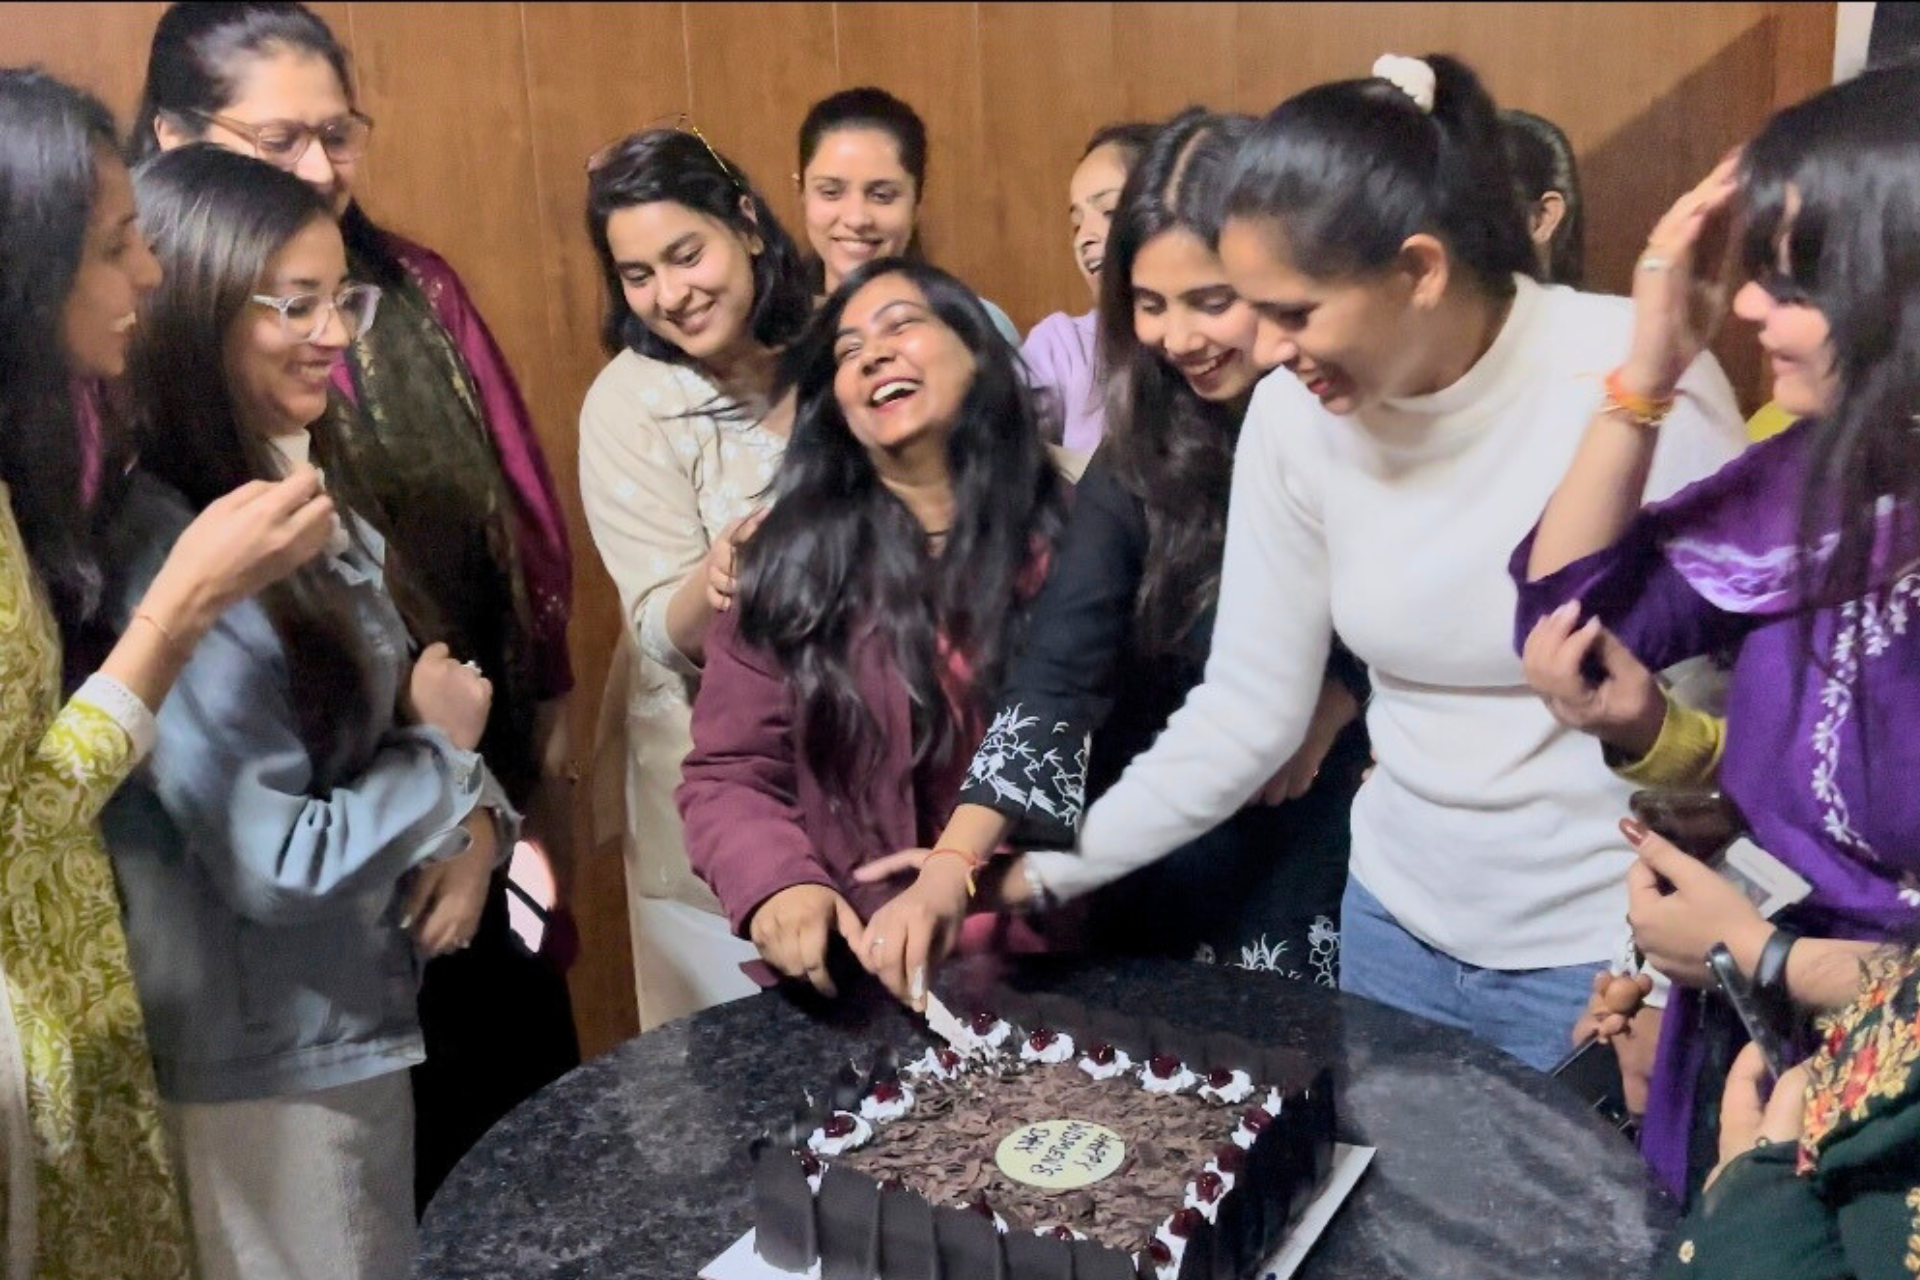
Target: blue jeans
{"points": [[1527, 1012]]}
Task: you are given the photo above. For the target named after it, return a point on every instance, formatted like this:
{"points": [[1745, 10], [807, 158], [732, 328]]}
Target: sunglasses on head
{"points": [[679, 121]]}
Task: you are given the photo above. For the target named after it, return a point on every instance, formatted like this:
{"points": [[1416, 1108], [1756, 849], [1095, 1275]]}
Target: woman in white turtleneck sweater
{"points": [[1431, 397]]}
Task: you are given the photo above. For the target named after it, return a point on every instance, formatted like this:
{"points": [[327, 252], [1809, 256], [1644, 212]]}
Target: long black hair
{"points": [[1542, 160], [839, 551], [866, 107], [1837, 178], [216, 219], [199, 53], [674, 165], [51, 138], [1352, 169], [1170, 447]]}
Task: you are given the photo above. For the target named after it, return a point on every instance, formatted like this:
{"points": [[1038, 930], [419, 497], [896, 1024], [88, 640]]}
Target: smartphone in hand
{"points": [[1697, 822]]}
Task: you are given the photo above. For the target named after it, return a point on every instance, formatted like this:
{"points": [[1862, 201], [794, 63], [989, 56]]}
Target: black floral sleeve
{"points": [[1032, 764]]}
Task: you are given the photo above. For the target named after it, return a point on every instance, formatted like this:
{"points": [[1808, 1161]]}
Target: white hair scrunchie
{"points": [[1411, 76]]}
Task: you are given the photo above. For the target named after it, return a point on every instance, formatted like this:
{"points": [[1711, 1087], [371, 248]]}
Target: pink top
{"points": [[1060, 355]]}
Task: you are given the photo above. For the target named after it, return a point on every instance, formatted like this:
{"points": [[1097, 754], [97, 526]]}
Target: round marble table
{"points": [[635, 1164]]}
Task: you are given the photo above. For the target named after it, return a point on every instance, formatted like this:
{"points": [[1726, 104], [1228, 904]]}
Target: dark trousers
{"points": [[1262, 890], [498, 1025]]}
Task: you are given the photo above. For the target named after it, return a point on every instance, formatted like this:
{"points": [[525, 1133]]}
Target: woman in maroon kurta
{"points": [[1802, 557], [911, 523]]}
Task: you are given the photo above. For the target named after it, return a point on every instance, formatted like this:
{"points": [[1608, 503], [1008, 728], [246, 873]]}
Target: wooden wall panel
{"points": [[487, 112], [577, 106], [1169, 57], [453, 160], [99, 47], [929, 55], [1035, 82], [755, 68]]}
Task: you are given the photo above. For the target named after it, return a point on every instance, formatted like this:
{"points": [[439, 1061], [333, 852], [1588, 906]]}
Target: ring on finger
{"points": [[1653, 262], [873, 948]]}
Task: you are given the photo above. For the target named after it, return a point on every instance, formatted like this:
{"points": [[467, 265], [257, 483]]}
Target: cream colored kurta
{"points": [[660, 477]]}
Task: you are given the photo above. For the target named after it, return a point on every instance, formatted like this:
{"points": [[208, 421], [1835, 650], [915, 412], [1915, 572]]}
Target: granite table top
{"points": [[635, 1164]]}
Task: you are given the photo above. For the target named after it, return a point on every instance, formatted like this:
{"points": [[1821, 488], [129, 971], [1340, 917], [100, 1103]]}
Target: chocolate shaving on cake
{"points": [[945, 1149]]}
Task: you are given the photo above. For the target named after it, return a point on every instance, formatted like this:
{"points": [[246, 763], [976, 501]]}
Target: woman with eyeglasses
{"points": [[315, 821], [911, 525], [455, 483], [679, 439]]}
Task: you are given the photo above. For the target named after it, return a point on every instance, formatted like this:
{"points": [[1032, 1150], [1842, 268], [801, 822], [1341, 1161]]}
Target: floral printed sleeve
{"points": [[1032, 763], [55, 780], [101, 1200]]}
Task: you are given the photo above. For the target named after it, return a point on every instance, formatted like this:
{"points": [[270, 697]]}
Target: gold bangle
{"points": [[141, 615]]}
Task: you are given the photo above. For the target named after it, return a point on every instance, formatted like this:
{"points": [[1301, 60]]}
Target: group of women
{"points": [[278, 525], [285, 599]]}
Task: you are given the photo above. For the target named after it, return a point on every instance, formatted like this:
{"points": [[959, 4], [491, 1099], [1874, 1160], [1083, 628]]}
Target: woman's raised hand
{"points": [[248, 539], [1681, 285], [451, 696]]}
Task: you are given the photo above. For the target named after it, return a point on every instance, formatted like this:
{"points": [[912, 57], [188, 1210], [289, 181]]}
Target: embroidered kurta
{"points": [[1845, 1200], [1819, 755], [100, 1197], [660, 477]]}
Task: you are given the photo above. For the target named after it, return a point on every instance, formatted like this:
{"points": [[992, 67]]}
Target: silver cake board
{"points": [[740, 1262]]}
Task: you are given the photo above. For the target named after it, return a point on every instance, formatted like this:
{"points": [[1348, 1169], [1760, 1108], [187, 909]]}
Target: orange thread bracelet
{"points": [[973, 862], [1641, 411]]}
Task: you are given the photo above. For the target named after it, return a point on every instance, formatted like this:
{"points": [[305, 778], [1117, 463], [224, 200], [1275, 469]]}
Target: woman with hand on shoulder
{"points": [[1061, 351], [679, 439], [880, 602], [1432, 399], [863, 173], [1120, 633], [89, 1188], [1800, 558], [454, 479], [298, 843]]}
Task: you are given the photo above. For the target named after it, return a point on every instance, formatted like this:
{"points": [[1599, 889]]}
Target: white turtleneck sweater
{"points": [[1487, 829], [294, 449]]}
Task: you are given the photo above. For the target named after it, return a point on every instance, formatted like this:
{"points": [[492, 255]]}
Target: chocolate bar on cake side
{"points": [[893, 1174]]}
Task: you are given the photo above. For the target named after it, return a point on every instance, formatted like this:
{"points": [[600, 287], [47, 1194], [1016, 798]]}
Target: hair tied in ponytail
{"points": [[1411, 76]]}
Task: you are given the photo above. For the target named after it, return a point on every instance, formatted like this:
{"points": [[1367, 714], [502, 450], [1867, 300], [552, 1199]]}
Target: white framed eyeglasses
{"points": [[303, 316]]}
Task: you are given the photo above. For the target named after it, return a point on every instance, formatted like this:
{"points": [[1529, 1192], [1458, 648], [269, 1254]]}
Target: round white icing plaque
{"points": [[1060, 1155]]}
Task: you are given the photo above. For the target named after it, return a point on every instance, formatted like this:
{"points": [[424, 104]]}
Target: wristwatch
{"points": [[1039, 898], [1770, 975]]}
